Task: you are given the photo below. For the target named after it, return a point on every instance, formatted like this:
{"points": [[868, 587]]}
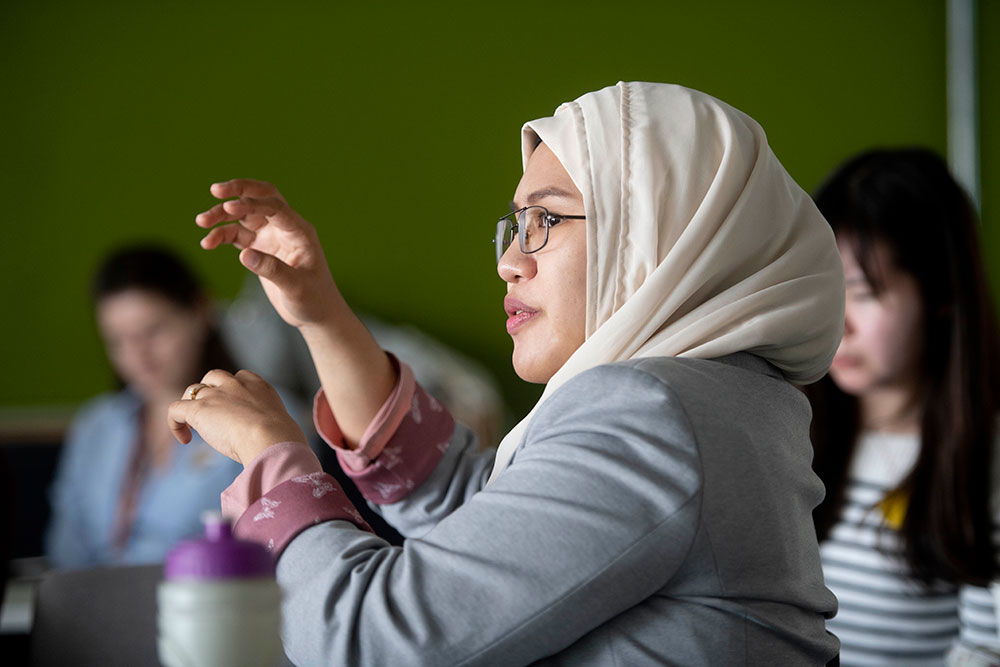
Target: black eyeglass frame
{"points": [[548, 220]]}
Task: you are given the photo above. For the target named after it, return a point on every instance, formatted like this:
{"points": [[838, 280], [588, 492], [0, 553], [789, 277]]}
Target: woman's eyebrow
{"points": [[550, 191], [544, 193]]}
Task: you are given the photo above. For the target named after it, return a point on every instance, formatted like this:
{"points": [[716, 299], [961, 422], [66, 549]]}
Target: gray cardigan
{"points": [[657, 512]]}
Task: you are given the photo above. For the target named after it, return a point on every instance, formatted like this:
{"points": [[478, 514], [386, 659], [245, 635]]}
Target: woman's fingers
{"points": [[191, 393], [237, 415], [244, 374], [238, 209], [217, 378], [177, 418], [270, 267], [252, 213], [256, 384], [244, 187], [255, 213], [234, 234], [210, 217], [220, 383], [276, 244]]}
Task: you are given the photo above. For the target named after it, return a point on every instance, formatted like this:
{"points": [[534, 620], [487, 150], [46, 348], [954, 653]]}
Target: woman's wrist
{"points": [[331, 314], [268, 436]]}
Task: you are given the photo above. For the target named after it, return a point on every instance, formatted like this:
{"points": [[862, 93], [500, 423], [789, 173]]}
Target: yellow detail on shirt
{"points": [[893, 508]]}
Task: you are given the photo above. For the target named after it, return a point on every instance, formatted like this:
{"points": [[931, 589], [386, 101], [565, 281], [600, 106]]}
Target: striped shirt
{"points": [[886, 618]]}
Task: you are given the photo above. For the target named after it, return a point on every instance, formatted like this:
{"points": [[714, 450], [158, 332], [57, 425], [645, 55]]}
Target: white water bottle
{"points": [[219, 605]]}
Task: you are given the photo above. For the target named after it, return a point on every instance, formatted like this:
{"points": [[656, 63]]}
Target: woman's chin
{"points": [[530, 370], [853, 384], [531, 377], [154, 391], [539, 365]]}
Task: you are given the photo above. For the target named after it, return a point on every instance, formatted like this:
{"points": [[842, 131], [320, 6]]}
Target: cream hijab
{"points": [[699, 243]]}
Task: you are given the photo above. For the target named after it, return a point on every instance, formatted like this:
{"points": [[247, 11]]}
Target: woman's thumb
{"points": [[265, 266]]}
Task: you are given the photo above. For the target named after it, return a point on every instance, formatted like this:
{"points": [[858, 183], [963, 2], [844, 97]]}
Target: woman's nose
{"points": [[138, 354], [515, 266], [848, 321]]}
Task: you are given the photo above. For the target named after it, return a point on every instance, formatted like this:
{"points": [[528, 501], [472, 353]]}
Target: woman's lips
{"points": [[844, 361], [515, 322], [517, 314]]}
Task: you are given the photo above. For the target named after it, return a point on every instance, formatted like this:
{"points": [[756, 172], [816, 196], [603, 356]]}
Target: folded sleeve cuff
{"points": [[291, 507], [400, 448], [379, 431], [267, 470], [410, 455]]}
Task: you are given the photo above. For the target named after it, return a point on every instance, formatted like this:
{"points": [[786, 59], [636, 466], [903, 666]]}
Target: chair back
{"points": [[100, 616]]}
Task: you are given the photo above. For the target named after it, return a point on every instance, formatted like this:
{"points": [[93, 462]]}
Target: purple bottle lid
{"points": [[219, 555]]}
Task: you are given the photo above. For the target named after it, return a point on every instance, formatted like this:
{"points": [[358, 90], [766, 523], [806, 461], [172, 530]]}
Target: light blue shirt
{"points": [[89, 483]]}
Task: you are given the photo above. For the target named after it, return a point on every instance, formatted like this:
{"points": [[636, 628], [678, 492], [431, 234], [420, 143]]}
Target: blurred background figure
{"points": [[125, 490], [905, 425]]}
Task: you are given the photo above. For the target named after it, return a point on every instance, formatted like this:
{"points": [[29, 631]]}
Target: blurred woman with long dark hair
{"points": [[905, 424]]}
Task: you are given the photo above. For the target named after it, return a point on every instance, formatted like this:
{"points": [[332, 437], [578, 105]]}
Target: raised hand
{"points": [[278, 245]]}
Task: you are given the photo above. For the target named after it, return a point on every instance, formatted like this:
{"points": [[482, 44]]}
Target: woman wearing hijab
{"points": [[668, 281]]}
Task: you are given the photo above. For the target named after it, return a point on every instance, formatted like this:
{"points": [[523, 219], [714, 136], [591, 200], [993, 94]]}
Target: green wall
{"points": [[395, 130]]}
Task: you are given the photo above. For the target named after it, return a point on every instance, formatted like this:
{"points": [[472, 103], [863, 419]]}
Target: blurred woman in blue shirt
{"points": [[125, 491]]}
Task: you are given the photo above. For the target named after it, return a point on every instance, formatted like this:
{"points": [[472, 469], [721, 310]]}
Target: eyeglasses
{"points": [[531, 224]]}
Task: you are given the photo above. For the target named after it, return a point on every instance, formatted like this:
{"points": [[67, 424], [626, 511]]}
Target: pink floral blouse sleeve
{"points": [[284, 490], [400, 448]]}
